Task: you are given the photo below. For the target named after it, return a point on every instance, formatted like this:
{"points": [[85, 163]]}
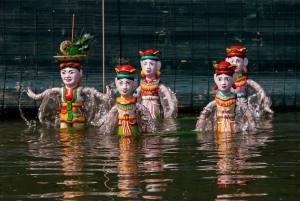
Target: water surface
{"points": [[48, 163]]}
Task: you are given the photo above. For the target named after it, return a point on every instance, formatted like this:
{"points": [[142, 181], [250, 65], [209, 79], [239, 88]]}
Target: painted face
{"points": [[150, 67], [125, 86], [239, 61], [224, 82], [70, 76]]}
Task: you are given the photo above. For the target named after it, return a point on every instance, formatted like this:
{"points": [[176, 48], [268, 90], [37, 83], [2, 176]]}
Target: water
{"points": [[50, 164]]}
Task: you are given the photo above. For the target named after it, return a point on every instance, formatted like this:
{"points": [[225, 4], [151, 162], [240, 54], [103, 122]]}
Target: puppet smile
{"points": [[68, 79]]}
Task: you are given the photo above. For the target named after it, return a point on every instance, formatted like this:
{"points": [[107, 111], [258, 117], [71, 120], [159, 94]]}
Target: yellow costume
{"points": [[225, 111]]}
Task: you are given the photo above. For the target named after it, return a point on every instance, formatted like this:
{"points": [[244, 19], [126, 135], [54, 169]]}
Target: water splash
{"points": [[29, 123]]}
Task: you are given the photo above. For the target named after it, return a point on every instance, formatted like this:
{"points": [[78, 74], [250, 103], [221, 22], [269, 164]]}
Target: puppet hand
{"points": [[108, 91], [169, 113], [30, 93], [200, 124], [268, 110]]}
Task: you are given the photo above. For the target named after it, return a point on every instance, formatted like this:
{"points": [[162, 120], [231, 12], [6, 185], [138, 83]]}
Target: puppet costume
{"points": [[127, 124], [225, 112], [150, 96], [71, 110]]}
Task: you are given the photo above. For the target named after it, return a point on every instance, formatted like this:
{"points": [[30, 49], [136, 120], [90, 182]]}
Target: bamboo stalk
{"points": [[103, 49], [73, 25]]}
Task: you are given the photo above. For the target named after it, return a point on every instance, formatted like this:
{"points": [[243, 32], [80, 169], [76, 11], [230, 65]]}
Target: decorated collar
{"points": [[241, 80], [225, 100], [124, 101], [225, 97], [156, 81]]}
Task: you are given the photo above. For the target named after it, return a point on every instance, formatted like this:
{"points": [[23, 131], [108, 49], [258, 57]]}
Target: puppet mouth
{"points": [[68, 79], [124, 90], [223, 87], [148, 71]]}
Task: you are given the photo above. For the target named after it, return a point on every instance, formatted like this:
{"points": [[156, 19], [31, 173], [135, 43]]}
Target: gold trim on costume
{"points": [[73, 104], [126, 117]]}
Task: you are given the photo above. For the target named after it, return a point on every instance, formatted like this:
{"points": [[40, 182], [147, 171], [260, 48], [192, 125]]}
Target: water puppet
{"points": [[76, 105], [220, 114], [249, 93], [159, 99], [125, 117]]}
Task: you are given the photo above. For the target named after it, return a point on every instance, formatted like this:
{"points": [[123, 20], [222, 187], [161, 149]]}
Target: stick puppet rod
{"points": [[73, 24], [103, 49]]}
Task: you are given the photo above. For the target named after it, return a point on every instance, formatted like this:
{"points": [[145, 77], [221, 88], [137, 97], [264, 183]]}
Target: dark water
{"points": [[51, 164]]}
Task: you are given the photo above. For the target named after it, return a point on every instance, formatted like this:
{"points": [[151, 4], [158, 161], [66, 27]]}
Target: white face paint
{"points": [[125, 87], [70, 76], [224, 82], [239, 61], [150, 67]]}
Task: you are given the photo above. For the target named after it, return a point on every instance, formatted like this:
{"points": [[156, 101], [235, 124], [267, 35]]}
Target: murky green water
{"points": [[46, 163]]}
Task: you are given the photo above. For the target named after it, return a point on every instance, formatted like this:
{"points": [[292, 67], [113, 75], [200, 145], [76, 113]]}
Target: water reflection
{"points": [[41, 162], [128, 177], [141, 167], [231, 162], [73, 152], [61, 154], [232, 158], [154, 165]]}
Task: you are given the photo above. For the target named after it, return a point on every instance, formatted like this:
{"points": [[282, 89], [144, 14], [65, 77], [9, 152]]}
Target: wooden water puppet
{"points": [[69, 99], [125, 116], [159, 99], [220, 114], [246, 88]]}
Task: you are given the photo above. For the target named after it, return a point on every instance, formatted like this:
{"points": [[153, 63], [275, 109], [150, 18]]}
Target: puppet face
{"points": [[224, 82], [239, 61], [70, 76], [150, 67], [125, 86]]}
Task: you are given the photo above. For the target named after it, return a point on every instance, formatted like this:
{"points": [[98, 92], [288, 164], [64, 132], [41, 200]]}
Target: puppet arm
{"points": [[261, 93], [145, 112], [207, 110], [34, 96], [248, 115], [172, 103], [93, 91], [109, 121]]}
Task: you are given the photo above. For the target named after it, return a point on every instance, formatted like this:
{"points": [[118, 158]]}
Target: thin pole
{"points": [[103, 49], [73, 25]]}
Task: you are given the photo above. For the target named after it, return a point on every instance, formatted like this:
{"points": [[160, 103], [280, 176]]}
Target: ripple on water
{"points": [[39, 162]]}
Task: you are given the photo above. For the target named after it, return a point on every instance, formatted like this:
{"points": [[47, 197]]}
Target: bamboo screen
{"points": [[191, 34]]}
